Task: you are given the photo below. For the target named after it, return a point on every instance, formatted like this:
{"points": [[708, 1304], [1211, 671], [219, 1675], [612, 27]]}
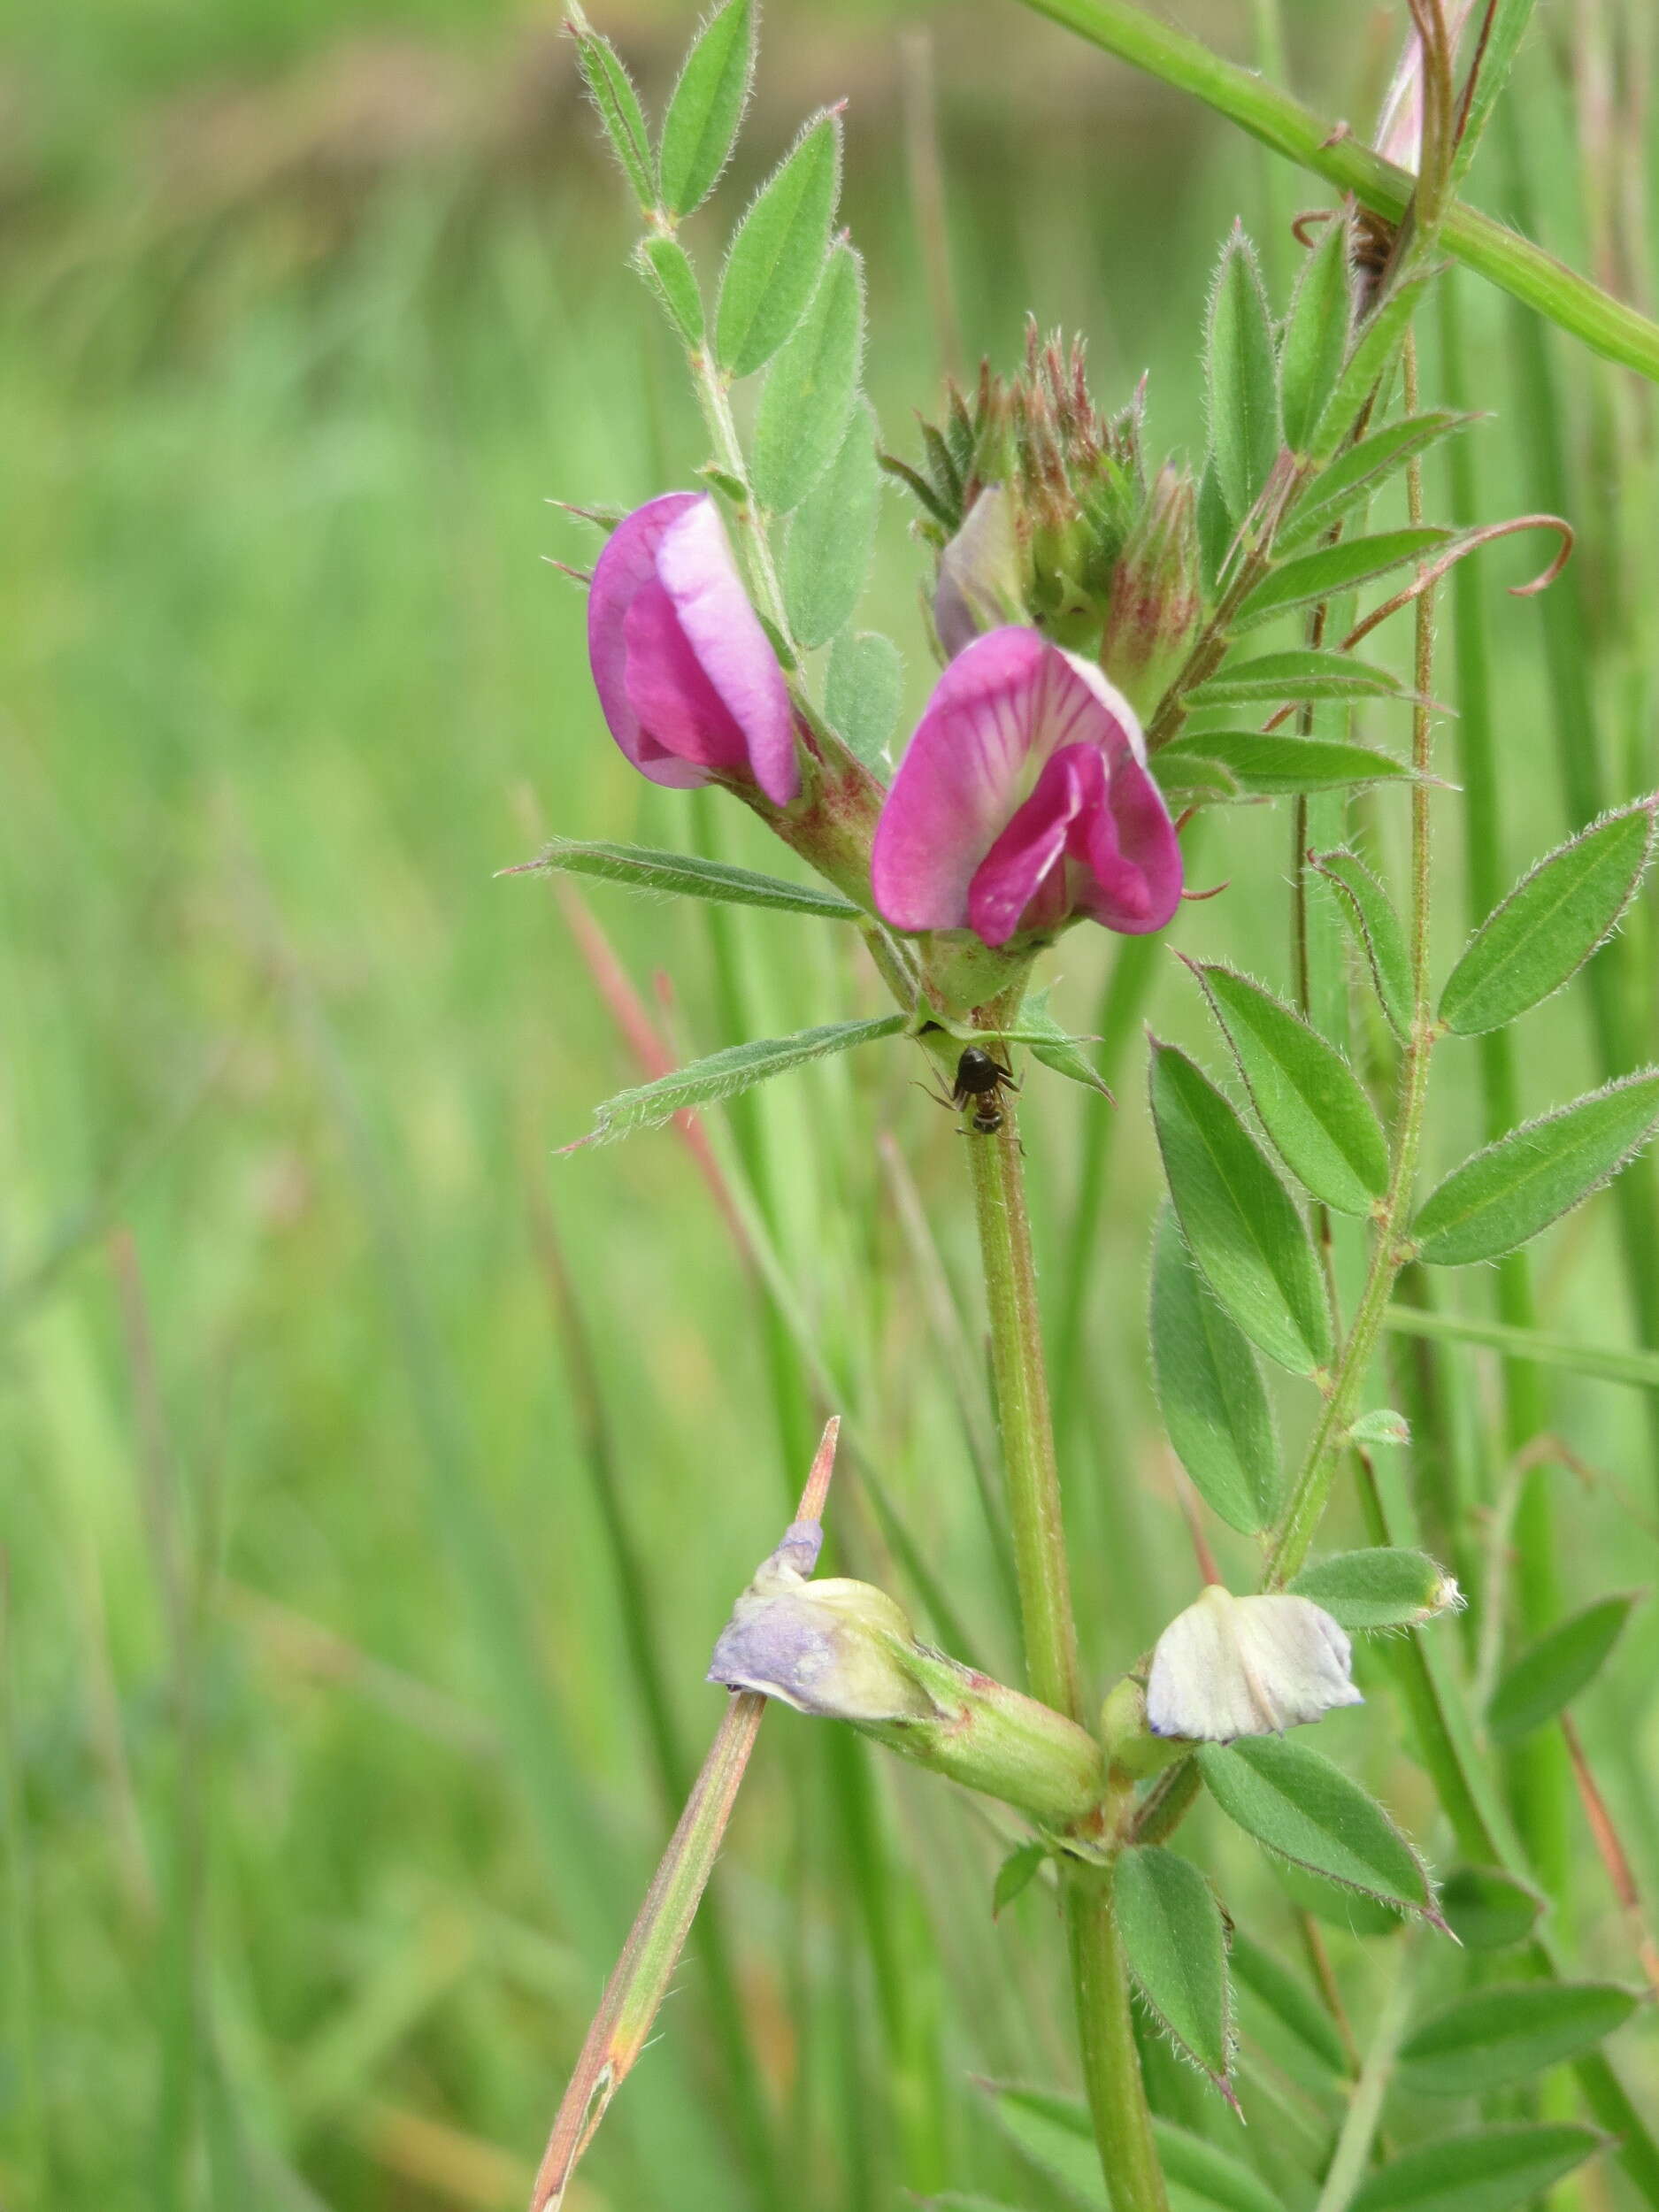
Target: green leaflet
{"points": [[1054, 2133], [1336, 568], [772, 269], [1506, 1194], [723, 1074], [1552, 1670], [1302, 672], [1176, 1944], [1018, 1871], [1487, 1909], [610, 88], [1314, 342], [1491, 2039], [1306, 1097], [666, 268], [810, 388], [1297, 2011], [1297, 1803], [1382, 1588], [1038, 1030], [1239, 1220], [1371, 353], [1337, 1906], [1377, 929], [1550, 924], [706, 107], [862, 688], [1209, 1390], [1275, 766], [690, 876], [1478, 2170], [1241, 377], [832, 537], [1360, 472]]}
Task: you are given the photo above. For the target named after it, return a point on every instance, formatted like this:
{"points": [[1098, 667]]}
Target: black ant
{"points": [[980, 1081]]}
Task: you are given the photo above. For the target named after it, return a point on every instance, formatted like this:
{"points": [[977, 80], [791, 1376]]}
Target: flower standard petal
{"points": [[626, 567], [1253, 1666], [959, 782]]}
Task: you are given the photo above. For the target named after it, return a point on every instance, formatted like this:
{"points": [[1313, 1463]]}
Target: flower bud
{"points": [[844, 1650], [1253, 1666], [1127, 1735], [982, 578], [1156, 600]]}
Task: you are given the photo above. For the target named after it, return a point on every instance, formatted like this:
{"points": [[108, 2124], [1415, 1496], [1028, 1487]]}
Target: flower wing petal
{"points": [[733, 649]]}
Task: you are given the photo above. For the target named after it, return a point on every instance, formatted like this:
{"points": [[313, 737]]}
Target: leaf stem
{"points": [[1331, 150]]}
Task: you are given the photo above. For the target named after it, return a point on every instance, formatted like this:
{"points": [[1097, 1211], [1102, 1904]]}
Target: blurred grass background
{"points": [[329, 1405]]}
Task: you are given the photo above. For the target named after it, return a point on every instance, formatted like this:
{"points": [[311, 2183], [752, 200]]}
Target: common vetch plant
{"points": [[1127, 643]]}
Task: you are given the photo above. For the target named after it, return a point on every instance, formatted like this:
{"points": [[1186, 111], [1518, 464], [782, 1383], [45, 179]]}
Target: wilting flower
{"points": [[1252, 1666], [1025, 799], [687, 681], [981, 581]]}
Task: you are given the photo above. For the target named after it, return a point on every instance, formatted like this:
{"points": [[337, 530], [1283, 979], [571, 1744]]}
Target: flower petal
{"points": [[1253, 1666], [696, 568], [626, 566], [1133, 881], [686, 679], [1021, 883], [960, 781]]}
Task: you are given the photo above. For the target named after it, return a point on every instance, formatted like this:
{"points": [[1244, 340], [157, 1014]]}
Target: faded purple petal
{"points": [[688, 685], [978, 582], [1024, 798]]}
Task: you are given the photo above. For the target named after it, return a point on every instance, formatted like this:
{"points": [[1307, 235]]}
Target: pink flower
{"points": [[688, 684], [1025, 799]]}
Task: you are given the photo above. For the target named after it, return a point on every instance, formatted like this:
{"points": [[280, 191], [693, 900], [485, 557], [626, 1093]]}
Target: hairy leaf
{"points": [[1316, 338], [1018, 1871], [1382, 1588], [1271, 766], [706, 107], [1336, 568], [1055, 2133], [1487, 1909], [610, 88], [1378, 930], [723, 1074], [1054, 1047], [1552, 1670], [1506, 1194], [1360, 472], [1297, 1803], [1306, 1097], [666, 268], [772, 269], [1477, 2170], [1299, 2013], [1550, 924], [1176, 1944], [811, 387], [832, 537], [1209, 1390], [690, 876], [1242, 377], [1303, 673], [1239, 1220], [862, 688], [1491, 2039]]}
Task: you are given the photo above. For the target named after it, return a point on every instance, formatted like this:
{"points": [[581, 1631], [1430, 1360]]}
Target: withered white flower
{"points": [[1252, 1666]]}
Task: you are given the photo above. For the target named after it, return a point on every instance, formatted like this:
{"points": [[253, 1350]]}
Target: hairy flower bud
{"points": [[1156, 601], [844, 1650]]}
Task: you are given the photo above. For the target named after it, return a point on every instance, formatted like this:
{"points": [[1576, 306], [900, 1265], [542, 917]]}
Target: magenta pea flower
{"points": [[688, 684], [1024, 800]]}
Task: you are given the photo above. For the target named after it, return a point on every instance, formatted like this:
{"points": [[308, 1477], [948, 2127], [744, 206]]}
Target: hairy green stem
{"points": [[1112, 2065], [1331, 151]]}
